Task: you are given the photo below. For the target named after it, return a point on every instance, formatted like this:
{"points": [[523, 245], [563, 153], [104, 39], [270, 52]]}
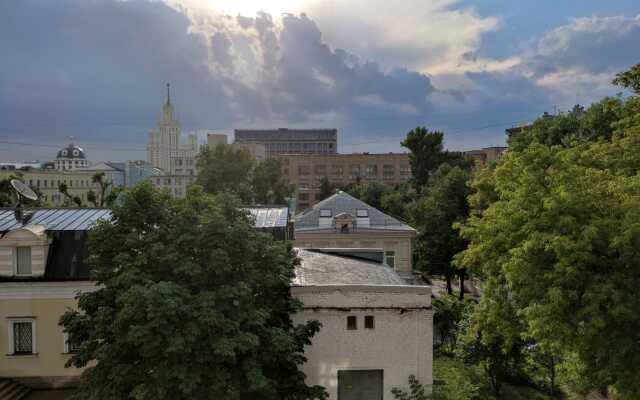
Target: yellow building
{"points": [[47, 181], [42, 269]]}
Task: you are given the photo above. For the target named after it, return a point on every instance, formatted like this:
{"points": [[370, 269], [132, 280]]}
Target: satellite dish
{"points": [[23, 190]]}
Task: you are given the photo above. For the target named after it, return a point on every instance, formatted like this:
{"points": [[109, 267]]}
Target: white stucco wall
{"points": [[401, 344]]}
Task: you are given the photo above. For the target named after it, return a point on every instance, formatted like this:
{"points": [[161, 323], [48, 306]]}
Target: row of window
{"points": [[355, 170], [54, 183], [295, 148], [352, 322], [22, 338]]}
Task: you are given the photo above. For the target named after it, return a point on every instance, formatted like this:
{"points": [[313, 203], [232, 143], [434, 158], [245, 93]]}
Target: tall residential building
{"points": [[305, 171], [290, 141], [164, 149]]}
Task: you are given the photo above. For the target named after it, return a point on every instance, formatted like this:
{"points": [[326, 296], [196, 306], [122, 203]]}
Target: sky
{"points": [[96, 70]]}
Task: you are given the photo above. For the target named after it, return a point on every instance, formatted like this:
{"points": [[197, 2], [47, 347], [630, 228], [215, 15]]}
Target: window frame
{"points": [[369, 322], [15, 261], [11, 321], [323, 212], [350, 326], [390, 254], [68, 349], [365, 213]]}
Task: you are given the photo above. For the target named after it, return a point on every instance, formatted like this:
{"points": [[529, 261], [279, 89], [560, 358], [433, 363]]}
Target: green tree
{"points": [[226, 169], [63, 188], [426, 153], [268, 183], [448, 319], [561, 241], [327, 189], [106, 194], [629, 79], [440, 206], [193, 304]]}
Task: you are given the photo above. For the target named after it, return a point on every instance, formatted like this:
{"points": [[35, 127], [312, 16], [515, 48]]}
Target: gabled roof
{"points": [[341, 203], [322, 267]]}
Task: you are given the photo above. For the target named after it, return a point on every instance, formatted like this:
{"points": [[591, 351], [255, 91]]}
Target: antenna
{"points": [[25, 191]]}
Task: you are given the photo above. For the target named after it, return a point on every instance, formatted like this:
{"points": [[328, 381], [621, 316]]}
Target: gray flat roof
{"points": [[319, 268]]}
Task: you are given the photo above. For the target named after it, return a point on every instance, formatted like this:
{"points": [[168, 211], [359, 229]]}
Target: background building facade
{"points": [[291, 141], [305, 172]]}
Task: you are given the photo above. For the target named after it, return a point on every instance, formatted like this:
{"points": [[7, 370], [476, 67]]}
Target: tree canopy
{"points": [[557, 246], [228, 169], [193, 304]]}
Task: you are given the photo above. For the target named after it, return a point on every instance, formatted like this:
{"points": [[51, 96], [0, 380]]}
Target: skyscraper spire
{"points": [[168, 94]]}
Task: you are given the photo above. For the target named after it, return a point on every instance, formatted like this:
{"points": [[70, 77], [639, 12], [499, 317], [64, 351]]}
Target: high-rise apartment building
{"points": [[290, 141]]}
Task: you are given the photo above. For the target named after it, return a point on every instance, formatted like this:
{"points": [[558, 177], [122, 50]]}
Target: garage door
{"points": [[360, 384]]}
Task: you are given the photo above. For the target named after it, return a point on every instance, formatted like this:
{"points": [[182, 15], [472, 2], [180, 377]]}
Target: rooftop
{"points": [[339, 267], [344, 203]]}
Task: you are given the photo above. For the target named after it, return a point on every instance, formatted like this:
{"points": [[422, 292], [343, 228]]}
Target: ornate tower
{"points": [[163, 144]]}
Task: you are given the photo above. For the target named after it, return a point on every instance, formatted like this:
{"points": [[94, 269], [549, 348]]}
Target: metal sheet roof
{"points": [[343, 202], [77, 219], [269, 217], [56, 219]]}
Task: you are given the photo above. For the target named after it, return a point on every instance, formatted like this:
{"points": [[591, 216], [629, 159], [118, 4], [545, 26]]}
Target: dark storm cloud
{"points": [[96, 70]]}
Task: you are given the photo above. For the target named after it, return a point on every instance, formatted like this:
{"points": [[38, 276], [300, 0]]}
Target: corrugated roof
{"points": [[76, 219], [269, 217], [56, 219], [342, 202], [318, 268]]}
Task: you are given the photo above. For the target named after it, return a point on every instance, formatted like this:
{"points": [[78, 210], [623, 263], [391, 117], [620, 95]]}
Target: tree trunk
{"points": [[449, 287], [461, 296]]}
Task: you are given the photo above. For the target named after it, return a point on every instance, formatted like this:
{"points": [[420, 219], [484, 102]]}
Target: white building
{"points": [[376, 329], [71, 157]]}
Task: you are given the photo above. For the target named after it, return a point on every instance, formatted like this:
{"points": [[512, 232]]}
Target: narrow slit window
{"points": [[390, 258], [369, 322], [352, 323]]}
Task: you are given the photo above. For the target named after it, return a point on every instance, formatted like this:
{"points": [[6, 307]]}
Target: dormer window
{"points": [[64, 153], [325, 219], [23, 260], [76, 153], [362, 216]]}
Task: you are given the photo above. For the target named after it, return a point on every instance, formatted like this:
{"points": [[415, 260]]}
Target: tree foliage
{"points": [[106, 192], [327, 189], [228, 169], [192, 304], [558, 246], [426, 153], [390, 199], [8, 196], [269, 186], [440, 206]]}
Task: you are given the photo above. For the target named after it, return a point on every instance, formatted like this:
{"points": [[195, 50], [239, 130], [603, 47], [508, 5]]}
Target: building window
{"points": [[337, 170], [22, 336], [405, 170], [362, 213], [390, 258], [325, 213], [372, 170], [304, 170], [23, 260], [352, 323], [369, 322], [320, 169], [388, 171], [71, 345], [303, 196]]}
